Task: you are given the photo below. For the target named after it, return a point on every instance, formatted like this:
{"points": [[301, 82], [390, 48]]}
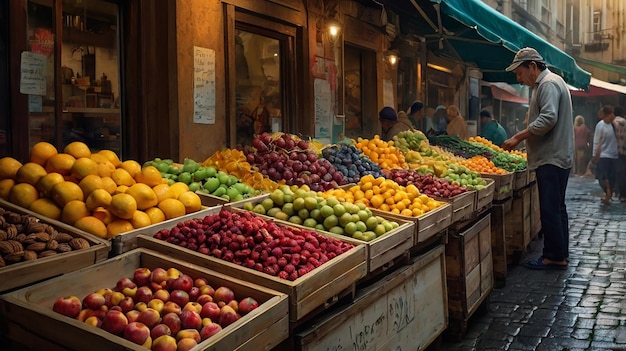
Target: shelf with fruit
{"points": [[93, 191], [385, 239], [145, 300]]}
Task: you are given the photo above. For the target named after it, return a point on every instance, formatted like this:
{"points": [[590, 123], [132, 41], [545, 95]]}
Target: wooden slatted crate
{"points": [[498, 241], [320, 287], [484, 196], [503, 187], [405, 310], [462, 205], [520, 179], [265, 328], [28, 272], [517, 226], [469, 272], [428, 224]]}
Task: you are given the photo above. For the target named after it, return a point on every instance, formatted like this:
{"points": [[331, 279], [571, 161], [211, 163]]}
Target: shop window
{"points": [[87, 107], [360, 87], [259, 96]]}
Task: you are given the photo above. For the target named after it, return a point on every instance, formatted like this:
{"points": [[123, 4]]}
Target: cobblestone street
{"points": [[582, 308]]}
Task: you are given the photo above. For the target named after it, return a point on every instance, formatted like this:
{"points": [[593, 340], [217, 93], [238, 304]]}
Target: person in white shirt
{"points": [[605, 153]]}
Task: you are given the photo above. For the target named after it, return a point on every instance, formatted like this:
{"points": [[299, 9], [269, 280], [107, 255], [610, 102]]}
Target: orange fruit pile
{"points": [[382, 152], [482, 165]]}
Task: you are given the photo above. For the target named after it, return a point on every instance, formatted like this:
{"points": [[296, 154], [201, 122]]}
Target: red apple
{"points": [[142, 276], [162, 295], [210, 310], [93, 321], [138, 333], [194, 292], [68, 306], [132, 315], [200, 282], [207, 290], [171, 307], [113, 299], [149, 317], [164, 343], [143, 294], [158, 275], [83, 314], [156, 286], [246, 305], [114, 322], [100, 312], [93, 301], [209, 330], [127, 304], [223, 294], [206, 321], [172, 320], [160, 329], [227, 316], [179, 297], [190, 320], [124, 283], [186, 344], [104, 292], [115, 308], [129, 291], [193, 306], [234, 304], [183, 282], [202, 299], [141, 306], [188, 333], [156, 304]]}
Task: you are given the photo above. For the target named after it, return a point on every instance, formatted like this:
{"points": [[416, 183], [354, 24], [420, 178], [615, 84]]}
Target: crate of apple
{"points": [[427, 184], [160, 309], [141, 300], [291, 161]]}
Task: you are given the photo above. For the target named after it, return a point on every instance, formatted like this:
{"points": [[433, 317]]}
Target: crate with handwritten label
{"points": [[405, 310]]}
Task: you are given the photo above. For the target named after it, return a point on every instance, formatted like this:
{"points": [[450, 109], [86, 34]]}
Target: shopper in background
{"points": [[393, 123], [491, 129], [549, 139], [582, 140], [605, 154], [620, 130], [456, 123], [416, 116], [440, 120]]}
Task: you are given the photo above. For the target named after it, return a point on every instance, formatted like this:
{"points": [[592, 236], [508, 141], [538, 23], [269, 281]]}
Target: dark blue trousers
{"points": [[552, 183]]}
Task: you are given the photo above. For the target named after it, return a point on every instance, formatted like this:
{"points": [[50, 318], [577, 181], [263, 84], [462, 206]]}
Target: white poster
{"points": [[323, 108], [388, 95], [33, 73], [203, 85]]}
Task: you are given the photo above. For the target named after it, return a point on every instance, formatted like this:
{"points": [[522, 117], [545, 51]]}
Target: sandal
{"points": [[538, 264]]}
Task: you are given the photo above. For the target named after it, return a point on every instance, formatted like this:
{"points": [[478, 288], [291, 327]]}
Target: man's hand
{"points": [[510, 143], [595, 159]]}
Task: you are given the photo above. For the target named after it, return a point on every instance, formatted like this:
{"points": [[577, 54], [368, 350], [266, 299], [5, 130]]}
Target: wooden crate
{"points": [[127, 241], [28, 272], [406, 310], [532, 176], [498, 241], [469, 272], [484, 196], [517, 226], [319, 288], [381, 251], [520, 179], [503, 187], [535, 213], [259, 330], [426, 225], [462, 205]]}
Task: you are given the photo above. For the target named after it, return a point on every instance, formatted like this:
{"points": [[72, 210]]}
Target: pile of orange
{"points": [[382, 152], [233, 162], [482, 165], [386, 195], [93, 191]]}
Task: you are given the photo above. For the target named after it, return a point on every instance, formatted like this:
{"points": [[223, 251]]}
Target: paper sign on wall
{"points": [[203, 85], [33, 73], [323, 107], [388, 93]]}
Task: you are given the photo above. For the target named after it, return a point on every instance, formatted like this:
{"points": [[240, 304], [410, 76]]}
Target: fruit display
{"points": [[410, 143], [513, 160], [304, 207], [159, 309], [207, 180], [382, 152], [24, 238], [460, 147], [351, 162], [427, 184], [93, 191], [283, 159], [387, 195], [234, 162], [245, 239], [482, 165]]}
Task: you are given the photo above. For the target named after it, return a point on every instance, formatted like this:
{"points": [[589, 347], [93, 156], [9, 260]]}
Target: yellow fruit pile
{"points": [[382, 152], [386, 195], [234, 162], [95, 192]]}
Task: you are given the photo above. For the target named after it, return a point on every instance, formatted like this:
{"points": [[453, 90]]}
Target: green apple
{"points": [[211, 184], [309, 222], [298, 203], [267, 203], [344, 219], [288, 209], [185, 177], [278, 197], [259, 209], [194, 186], [303, 213], [330, 221]]}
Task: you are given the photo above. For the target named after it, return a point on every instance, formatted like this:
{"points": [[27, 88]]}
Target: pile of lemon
{"points": [[93, 191]]}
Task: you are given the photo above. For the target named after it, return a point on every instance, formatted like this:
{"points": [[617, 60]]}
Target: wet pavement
{"points": [[582, 308]]}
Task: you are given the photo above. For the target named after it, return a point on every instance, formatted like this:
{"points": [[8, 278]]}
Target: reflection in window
{"points": [[259, 99]]}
